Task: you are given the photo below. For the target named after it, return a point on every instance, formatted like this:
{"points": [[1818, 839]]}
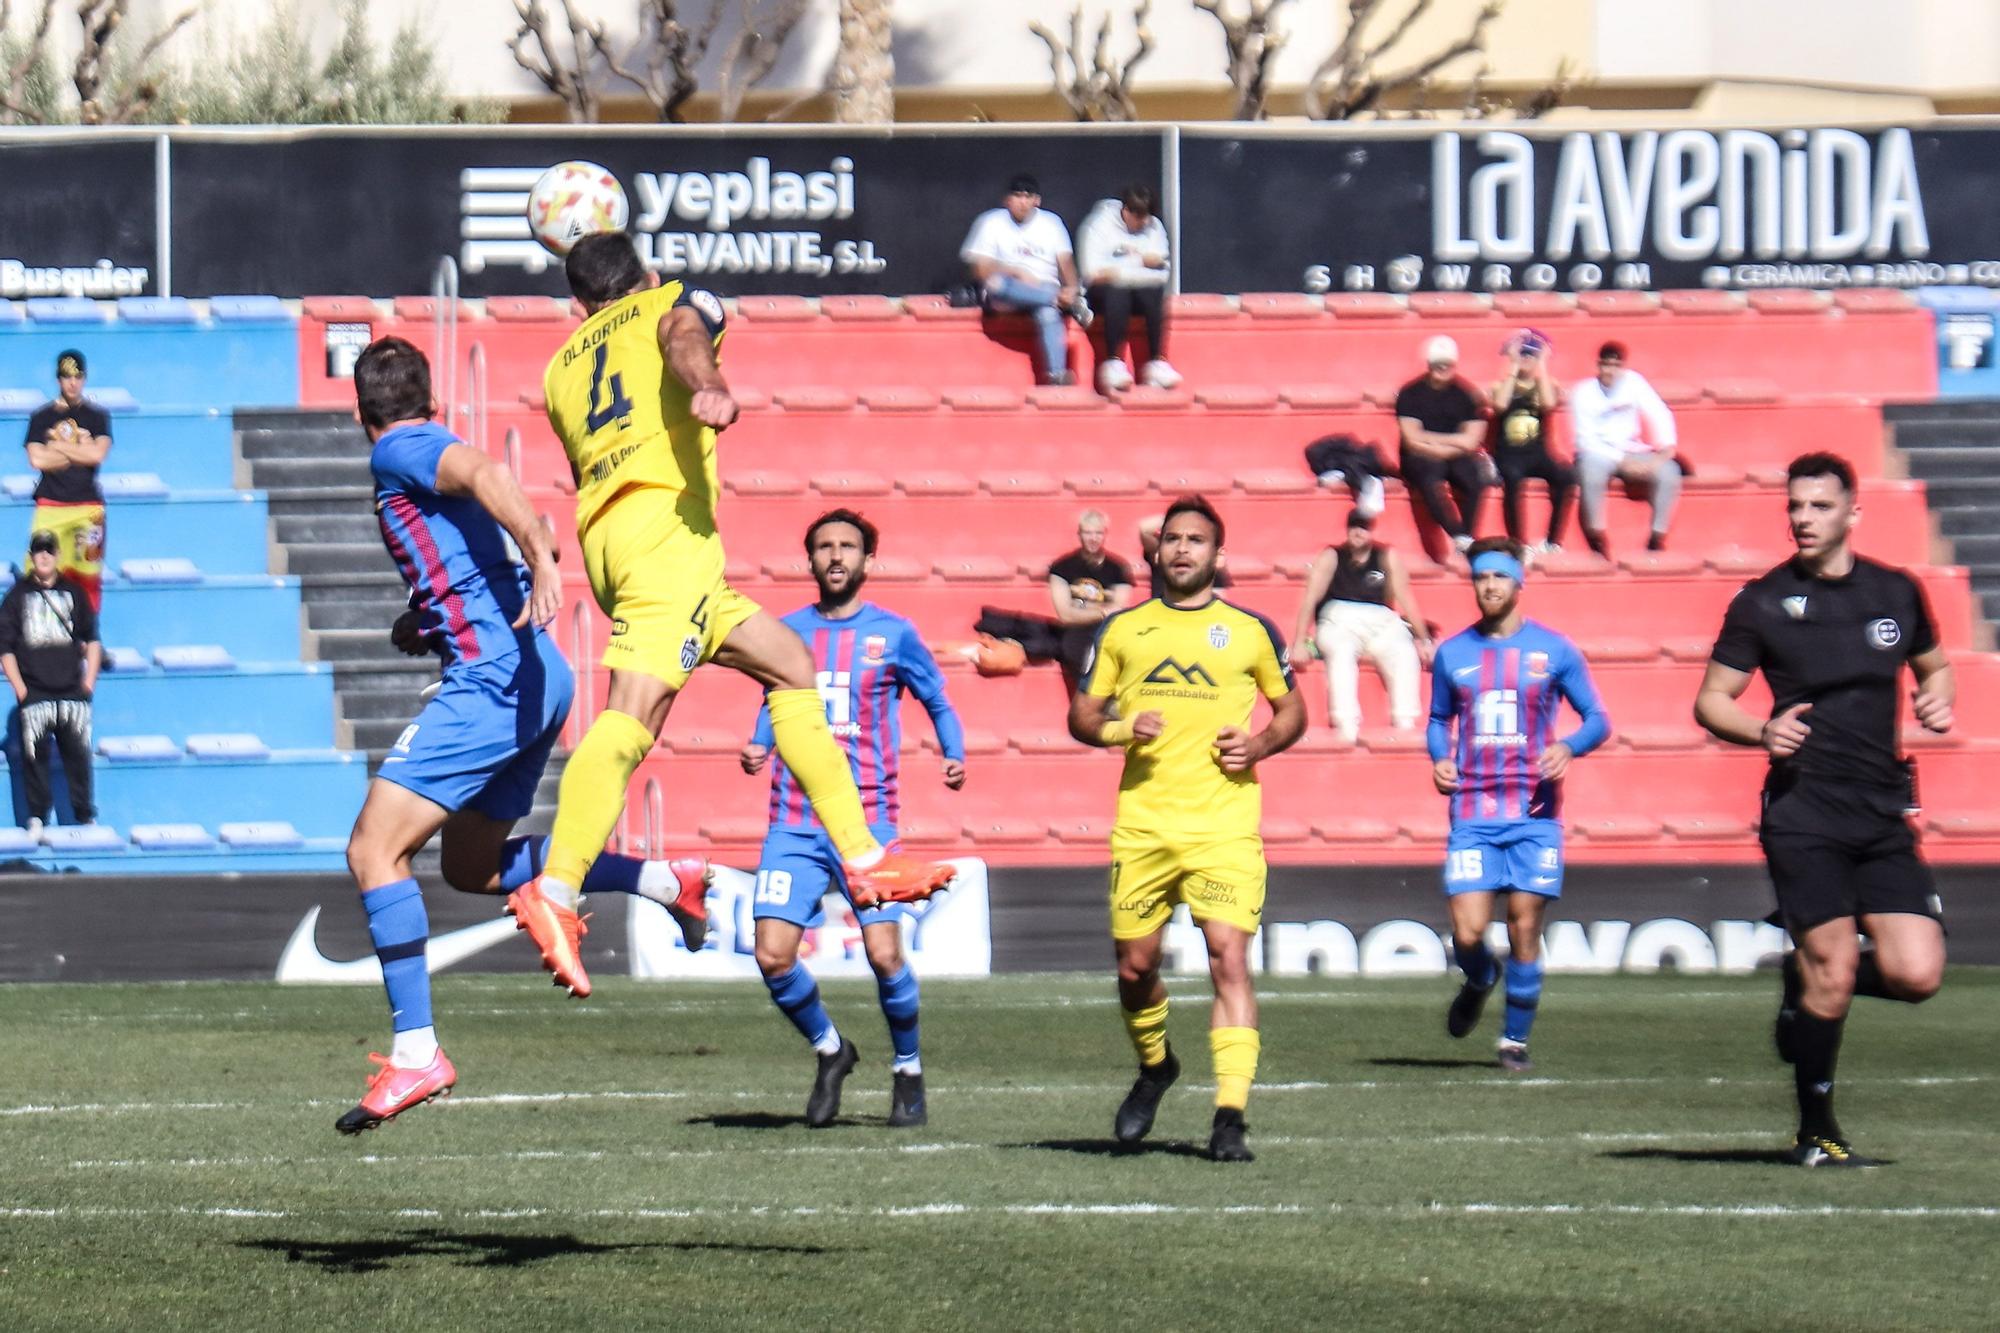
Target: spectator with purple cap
{"points": [[1524, 398]]}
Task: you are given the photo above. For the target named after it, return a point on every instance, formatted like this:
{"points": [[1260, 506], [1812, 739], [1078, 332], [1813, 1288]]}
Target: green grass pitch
{"points": [[636, 1161]]}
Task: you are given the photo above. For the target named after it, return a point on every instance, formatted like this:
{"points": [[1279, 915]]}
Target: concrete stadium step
{"points": [[318, 526], [309, 438], [350, 645], [1938, 462], [337, 558], [284, 474], [373, 734], [377, 614], [306, 501]]}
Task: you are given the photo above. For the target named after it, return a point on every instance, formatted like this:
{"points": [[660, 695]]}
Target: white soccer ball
{"points": [[573, 200]]}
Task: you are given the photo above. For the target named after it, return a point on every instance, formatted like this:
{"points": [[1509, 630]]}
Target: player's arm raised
{"points": [[463, 470], [688, 344]]}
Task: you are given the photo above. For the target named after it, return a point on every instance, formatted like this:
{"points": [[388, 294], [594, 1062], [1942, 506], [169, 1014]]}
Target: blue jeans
{"points": [[1005, 292]]}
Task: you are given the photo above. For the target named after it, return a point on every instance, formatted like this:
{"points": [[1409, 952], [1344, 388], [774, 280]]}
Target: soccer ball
{"points": [[573, 200]]}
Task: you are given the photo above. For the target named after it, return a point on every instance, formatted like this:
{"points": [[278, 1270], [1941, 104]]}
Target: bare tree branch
{"points": [[672, 52], [1551, 95], [1253, 41], [751, 56], [863, 77], [14, 97], [573, 79], [1102, 89], [101, 21], [1346, 84]]}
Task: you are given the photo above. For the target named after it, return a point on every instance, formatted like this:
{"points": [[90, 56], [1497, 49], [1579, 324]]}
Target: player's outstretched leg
{"points": [[680, 884], [394, 822]]}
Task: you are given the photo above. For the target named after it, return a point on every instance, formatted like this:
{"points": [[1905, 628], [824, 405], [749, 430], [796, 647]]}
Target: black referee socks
{"points": [[1816, 1046]]}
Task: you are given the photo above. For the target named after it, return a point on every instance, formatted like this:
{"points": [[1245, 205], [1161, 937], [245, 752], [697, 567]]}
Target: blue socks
{"points": [[797, 994], [1524, 993], [1476, 963], [899, 1005], [401, 928], [522, 859]]}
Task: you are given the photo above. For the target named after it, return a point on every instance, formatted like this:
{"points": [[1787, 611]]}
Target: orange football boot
{"points": [[897, 878], [690, 909], [393, 1090], [556, 931]]}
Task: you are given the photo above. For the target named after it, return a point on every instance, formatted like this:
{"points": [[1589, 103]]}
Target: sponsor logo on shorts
{"points": [[1551, 859], [690, 652], [1884, 633], [1215, 891], [618, 626]]}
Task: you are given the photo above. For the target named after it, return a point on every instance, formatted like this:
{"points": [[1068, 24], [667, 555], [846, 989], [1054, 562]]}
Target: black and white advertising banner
{"points": [[1368, 921], [1500, 209], [749, 211], [78, 217]]}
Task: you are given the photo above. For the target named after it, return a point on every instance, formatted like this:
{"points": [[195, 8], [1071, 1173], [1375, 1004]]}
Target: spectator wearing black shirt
{"points": [[1831, 632], [50, 652], [1523, 401], [1443, 426], [1087, 587], [1357, 605], [68, 438]]}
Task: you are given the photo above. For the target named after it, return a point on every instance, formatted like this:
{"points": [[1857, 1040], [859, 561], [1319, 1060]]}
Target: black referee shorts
{"points": [[1835, 853]]}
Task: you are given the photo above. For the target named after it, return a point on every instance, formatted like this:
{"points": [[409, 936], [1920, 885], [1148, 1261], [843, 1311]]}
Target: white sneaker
{"points": [[35, 829], [1462, 544], [1159, 375], [1369, 497], [1079, 310], [1113, 376]]}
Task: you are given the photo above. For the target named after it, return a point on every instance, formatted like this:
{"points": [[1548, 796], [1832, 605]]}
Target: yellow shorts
{"points": [[1219, 878], [662, 586]]}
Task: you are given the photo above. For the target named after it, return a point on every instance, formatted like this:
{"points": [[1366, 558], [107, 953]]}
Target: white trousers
{"points": [[1350, 631]]}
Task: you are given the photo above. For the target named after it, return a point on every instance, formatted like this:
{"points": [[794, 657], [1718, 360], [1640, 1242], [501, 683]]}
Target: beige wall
{"points": [[1718, 57]]}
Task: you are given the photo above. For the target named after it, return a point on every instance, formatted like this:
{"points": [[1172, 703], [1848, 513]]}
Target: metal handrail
{"points": [[477, 408], [444, 337], [510, 450]]}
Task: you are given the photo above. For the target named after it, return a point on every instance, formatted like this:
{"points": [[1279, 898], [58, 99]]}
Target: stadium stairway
{"points": [[313, 467], [1953, 446]]}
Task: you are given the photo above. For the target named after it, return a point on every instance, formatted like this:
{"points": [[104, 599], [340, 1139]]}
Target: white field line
{"points": [[1496, 1081], [1433, 1209]]}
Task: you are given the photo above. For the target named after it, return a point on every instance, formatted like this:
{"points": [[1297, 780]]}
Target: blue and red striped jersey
{"points": [[864, 665], [465, 586], [1503, 695]]}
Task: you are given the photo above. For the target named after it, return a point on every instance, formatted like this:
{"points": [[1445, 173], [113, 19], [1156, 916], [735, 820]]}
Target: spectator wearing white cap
{"points": [[1443, 423], [1624, 430]]}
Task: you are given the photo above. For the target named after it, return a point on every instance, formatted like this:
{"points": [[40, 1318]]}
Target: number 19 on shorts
{"points": [[774, 887]]}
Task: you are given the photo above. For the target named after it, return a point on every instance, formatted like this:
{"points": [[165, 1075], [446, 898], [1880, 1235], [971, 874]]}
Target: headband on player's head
{"points": [[1498, 562]]}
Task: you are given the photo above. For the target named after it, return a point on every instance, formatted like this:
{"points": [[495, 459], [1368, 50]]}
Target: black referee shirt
{"points": [[1840, 645]]}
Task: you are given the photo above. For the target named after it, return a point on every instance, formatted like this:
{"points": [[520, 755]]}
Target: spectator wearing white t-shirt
{"points": [[1021, 257], [1122, 253], [1623, 430]]}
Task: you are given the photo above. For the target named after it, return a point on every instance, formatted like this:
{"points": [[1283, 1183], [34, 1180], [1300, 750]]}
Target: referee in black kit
{"points": [[1831, 632]]}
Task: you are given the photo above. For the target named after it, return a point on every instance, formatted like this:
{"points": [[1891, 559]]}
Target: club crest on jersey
{"points": [[874, 648], [690, 653], [1218, 636], [1538, 664], [1795, 607], [1884, 633]]}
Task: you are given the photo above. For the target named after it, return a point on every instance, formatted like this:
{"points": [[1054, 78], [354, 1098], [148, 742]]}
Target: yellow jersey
{"points": [[1201, 669], [623, 417]]}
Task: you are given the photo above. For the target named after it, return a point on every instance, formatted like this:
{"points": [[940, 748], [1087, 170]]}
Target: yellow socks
{"points": [[593, 794], [798, 726], [1148, 1029], [1235, 1053]]}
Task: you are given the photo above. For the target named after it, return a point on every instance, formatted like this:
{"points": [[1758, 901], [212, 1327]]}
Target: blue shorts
{"points": [[1526, 855], [797, 867], [483, 741]]}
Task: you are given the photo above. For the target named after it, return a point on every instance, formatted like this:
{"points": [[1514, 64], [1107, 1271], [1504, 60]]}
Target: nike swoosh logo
{"points": [[1148, 630], [1463, 672], [302, 961], [1543, 881]]}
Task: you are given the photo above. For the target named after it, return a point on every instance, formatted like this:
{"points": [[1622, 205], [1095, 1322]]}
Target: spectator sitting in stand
{"points": [[1358, 604], [1088, 586], [1021, 258], [50, 652], [1523, 400], [1122, 254], [1624, 430], [1443, 425]]}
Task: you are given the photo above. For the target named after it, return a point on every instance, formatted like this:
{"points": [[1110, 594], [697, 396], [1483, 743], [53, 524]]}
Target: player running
{"points": [[1184, 671], [471, 760], [636, 398], [1502, 681], [867, 657], [1831, 632]]}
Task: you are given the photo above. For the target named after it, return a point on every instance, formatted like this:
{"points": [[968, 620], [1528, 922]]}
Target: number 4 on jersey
{"points": [[603, 412]]}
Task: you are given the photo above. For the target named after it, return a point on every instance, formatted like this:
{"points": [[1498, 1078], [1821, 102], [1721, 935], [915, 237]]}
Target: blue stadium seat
{"points": [[290, 704], [11, 312], [155, 310], [83, 838], [217, 745], [67, 310], [192, 657], [261, 833], [160, 569], [114, 398], [132, 485], [17, 842], [255, 618], [172, 837], [248, 310], [226, 532], [205, 364], [21, 401], [123, 659], [137, 749]]}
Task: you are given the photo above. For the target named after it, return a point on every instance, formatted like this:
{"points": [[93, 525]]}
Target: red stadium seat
{"points": [[1106, 483], [1068, 398], [851, 485], [1788, 301], [1280, 306], [852, 309], [1319, 397], [1236, 397], [764, 483], [1019, 483], [1082, 832], [1632, 828], [1534, 305], [776, 309], [1449, 305], [1365, 306], [815, 398], [984, 398], [936, 484], [1200, 306], [1701, 301], [527, 310], [900, 398]]}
